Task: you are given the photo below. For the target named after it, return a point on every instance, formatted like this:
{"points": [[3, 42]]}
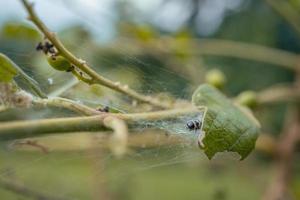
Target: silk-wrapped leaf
{"points": [[227, 126]]}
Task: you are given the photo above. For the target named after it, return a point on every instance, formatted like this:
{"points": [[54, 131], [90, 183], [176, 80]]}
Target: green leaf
{"points": [[227, 127], [19, 31], [7, 69]]}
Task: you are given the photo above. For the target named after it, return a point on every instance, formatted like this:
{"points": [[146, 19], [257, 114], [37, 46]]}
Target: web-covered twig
{"points": [[67, 104], [25, 129], [19, 129], [84, 67], [11, 98]]}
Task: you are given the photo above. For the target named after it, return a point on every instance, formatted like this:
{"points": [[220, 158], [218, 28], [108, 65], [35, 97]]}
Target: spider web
{"points": [[76, 165]]}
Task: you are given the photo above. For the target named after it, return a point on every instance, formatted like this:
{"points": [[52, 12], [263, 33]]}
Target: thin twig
{"points": [[119, 139], [82, 65], [32, 143], [278, 189], [67, 104], [25, 129], [276, 94], [63, 88], [97, 161], [22, 99], [79, 141]]}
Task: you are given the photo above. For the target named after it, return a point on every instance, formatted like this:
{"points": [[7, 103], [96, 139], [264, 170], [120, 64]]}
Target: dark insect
{"points": [[39, 47], [71, 68], [46, 47], [104, 109], [194, 125]]}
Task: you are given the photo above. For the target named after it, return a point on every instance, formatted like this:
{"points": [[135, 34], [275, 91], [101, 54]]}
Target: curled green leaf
{"points": [[227, 127]]}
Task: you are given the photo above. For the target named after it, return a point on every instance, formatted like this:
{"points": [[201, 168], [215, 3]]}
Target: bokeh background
{"points": [[155, 47]]}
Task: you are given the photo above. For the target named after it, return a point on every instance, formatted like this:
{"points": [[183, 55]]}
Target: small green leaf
{"points": [[19, 31], [7, 69], [227, 126]]}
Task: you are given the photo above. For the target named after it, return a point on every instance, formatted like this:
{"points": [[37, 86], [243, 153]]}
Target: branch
{"points": [[25, 129], [119, 139], [80, 141], [96, 78], [67, 104], [278, 94], [290, 137], [278, 188], [32, 143], [217, 47], [11, 98]]}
